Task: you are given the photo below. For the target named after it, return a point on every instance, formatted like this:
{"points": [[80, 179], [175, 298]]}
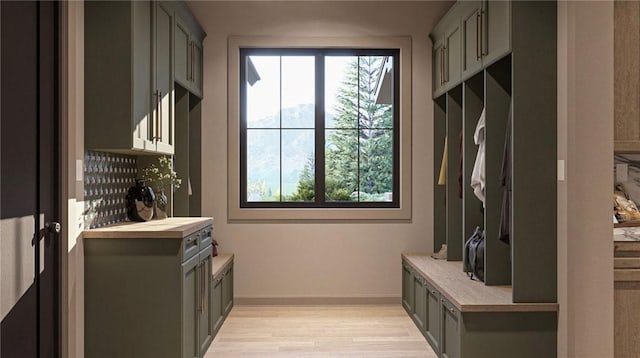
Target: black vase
{"points": [[140, 200]]}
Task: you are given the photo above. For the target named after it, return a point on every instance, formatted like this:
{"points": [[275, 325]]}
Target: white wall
{"points": [[317, 259], [585, 141]]}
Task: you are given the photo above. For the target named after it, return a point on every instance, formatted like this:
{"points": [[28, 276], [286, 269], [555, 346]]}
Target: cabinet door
{"points": [[450, 330], [453, 53], [496, 25], [419, 301], [217, 316], [182, 55], [142, 95], [227, 290], [164, 80], [432, 323], [196, 71], [471, 37], [205, 326], [407, 288], [190, 300], [438, 79]]}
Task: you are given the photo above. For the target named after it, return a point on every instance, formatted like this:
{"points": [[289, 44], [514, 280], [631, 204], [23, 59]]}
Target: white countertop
{"points": [[626, 234]]}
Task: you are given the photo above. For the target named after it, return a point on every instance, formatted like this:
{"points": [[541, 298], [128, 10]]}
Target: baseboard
{"points": [[315, 301]]}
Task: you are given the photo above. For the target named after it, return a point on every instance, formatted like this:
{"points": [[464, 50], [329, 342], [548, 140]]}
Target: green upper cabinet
{"points": [[196, 69], [486, 33], [164, 109], [453, 52], [182, 53], [469, 37], [471, 13], [497, 36], [188, 35], [446, 55], [438, 78], [128, 63]]}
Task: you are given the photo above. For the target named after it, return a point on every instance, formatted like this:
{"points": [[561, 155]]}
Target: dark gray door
{"points": [[29, 195]]}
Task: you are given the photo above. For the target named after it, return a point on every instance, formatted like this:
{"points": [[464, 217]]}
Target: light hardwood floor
{"points": [[319, 331]]}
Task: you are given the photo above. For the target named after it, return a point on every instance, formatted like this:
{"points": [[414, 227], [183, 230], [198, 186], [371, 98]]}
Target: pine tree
{"points": [[368, 146]]}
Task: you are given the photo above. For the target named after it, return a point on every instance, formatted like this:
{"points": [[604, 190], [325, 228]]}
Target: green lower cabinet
{"points": [[217, 315], [419, 302], [407, 288], [205, 326], [450, 330], [432, 322], [221, 296], [197, 332], [227, 290], [190, 292], [474, 333]]}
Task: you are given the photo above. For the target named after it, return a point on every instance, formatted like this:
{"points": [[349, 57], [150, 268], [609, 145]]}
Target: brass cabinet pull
{"points": [[203, 285], [441, 66], [155, 130], [478, 30], [192, 60], [159, 115], [482, 44], [445, 63]]}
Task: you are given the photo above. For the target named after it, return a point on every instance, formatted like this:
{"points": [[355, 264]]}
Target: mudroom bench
{"points": [[460, 317]]}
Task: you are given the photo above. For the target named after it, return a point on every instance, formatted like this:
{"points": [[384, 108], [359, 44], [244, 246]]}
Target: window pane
{"points": [[263, 97], [280, 114], [298, 91], [376, 164], [341, 165], [372, 114], [298, 169], [263, 165], [341, 91]]}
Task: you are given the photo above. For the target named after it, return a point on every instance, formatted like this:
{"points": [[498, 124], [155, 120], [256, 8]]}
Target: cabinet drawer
{"points": [[190, 246], [206, 237]]}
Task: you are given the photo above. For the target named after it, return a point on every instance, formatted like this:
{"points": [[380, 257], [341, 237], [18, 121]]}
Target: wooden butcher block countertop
{"points": [[169, 228]]}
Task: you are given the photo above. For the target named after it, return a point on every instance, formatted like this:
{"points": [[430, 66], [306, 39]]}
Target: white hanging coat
{"points": [[478, 174]]}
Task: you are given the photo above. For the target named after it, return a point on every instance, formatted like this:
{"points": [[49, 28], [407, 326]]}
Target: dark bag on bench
{"points": [[476, 256], [466, 263]]}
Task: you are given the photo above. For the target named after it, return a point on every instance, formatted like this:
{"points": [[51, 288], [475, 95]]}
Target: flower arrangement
{"points": [[161, 176]]}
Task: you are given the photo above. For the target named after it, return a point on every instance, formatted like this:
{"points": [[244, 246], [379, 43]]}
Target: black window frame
{"points": [[319, 127]]}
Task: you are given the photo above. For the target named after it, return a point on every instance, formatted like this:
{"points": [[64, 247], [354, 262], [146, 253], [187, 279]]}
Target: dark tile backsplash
{"points": [[107, 178]]}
